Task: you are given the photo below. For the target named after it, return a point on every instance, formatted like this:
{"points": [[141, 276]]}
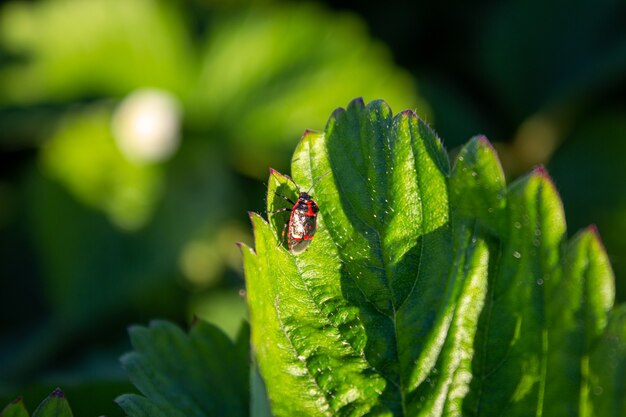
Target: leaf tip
{"points": [[379, 106], [243, 248], [309, 135], [355, 105], [357, 102], [120, 399], [541, 173], [277, 174], [540, 170], [482, 139], [477, 143], [334, 116], [126, 359], [408, 113], [57, 393], [480, 147], [255, 219], [593, 231]]}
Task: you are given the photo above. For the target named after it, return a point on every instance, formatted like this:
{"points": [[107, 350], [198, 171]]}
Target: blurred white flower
{"points": [[146, 126]]}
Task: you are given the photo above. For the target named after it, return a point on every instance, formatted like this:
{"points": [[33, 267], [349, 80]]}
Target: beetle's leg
{"points": [[285, 197], [283, 235], [280, 210]]}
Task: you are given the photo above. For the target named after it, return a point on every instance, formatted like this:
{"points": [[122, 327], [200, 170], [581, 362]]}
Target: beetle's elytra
{"points": [[302, 223]]}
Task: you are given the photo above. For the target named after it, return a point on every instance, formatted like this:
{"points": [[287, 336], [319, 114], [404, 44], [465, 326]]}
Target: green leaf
{"points": [[110, 65], [15, 409], [296, 56], [577, 318], [54, 406], [66, 154], [607, 366], [427, 290], [202, 373], [514, 338], [235, 70]]}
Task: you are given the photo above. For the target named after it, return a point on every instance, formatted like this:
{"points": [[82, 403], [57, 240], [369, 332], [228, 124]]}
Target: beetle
{"points": [[302, 223]]}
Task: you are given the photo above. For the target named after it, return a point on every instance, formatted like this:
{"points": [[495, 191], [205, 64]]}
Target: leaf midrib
{"points": [[401, 385]]}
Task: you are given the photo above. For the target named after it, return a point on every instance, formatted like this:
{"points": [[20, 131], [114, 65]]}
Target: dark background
{"points": [[94, 237]]}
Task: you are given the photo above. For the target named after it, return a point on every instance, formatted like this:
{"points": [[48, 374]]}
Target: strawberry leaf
{"points": [[429, 288], [202, 373], [15, 409]]}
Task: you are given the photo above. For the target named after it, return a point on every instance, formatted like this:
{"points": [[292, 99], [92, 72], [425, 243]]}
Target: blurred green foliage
{"points": [[93, 238], [97, 173], [116, 207]]}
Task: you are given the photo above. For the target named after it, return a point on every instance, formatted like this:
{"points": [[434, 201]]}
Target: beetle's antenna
{"points": [[293, 182], [317, 181]]}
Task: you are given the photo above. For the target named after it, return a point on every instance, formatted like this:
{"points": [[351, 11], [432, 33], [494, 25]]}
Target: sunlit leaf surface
{"points": [[429, 289]]}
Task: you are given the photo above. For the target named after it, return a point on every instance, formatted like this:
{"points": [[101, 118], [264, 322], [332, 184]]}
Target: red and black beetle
{"points": [[302, 223]]}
